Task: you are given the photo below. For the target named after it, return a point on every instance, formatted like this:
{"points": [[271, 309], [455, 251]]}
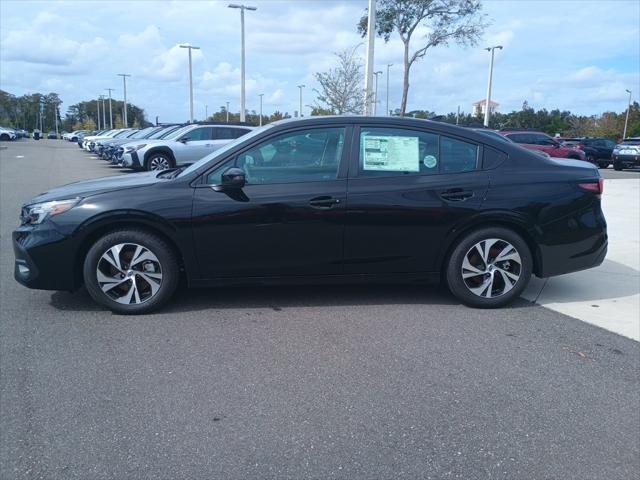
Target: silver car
{"points": [[185, 146]]}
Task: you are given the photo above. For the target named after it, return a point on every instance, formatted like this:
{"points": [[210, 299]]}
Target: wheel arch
{"points": [[496, 219], [159, 149], [90, 232]]}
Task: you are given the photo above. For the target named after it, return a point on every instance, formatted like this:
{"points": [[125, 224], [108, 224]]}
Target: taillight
{"points": [[596, 187]]}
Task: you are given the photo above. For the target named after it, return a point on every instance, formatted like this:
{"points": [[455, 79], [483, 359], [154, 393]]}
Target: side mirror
{"points": [[234, 178], [183, 140]]}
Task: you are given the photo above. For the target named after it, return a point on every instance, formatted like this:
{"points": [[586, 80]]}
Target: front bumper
{"points": [[44, 258], [630, 160], [131, 160]]}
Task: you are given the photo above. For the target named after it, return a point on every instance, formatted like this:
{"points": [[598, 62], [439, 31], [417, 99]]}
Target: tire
{"points": [[591, 159], [4, 137], [159, 161], [573, 157], [155, 275], [507, 278], [603, 165], [617, 166]]}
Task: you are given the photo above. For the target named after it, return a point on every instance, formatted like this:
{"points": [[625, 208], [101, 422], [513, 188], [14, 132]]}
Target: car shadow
{"points": [[277, 298]]}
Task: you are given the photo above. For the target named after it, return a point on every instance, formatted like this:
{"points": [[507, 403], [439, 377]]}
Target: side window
{"points": [[223, 133], [395, 151], [390, 151], [197, 134], [302, 156], [238, 132], [457, 156], [519, 137]]}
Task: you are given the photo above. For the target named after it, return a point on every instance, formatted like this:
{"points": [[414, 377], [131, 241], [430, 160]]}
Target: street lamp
{"points": [[487, 107], [368, 76], [242, 9], [389, 65], [227, 112], [98, 114], [375, 93], [190, 81], [206, 112], [124, 110], [301, 87], [104, 113], [261, 95], [626, 120], [110, 114]]}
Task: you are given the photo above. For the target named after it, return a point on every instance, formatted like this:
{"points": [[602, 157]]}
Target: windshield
{"points": [[631, 142], [221, 151], [178, 132], [142, 133]]}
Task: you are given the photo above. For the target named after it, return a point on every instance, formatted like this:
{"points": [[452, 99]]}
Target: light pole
{"points": [[227, 112], [626, 120], [389, 65], [300, 87], [124, 110], [487, 107], [190, 81], [242, 9], [368, 76], [98, 114], [110, 114], [104, 113], [261, 95], [375, 93], [206, 112]]}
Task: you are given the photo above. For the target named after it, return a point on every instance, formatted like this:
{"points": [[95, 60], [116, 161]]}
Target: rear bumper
{"points": [[577, 242]]}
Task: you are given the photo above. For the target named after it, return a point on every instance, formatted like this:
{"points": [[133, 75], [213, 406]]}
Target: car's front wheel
{"points": [[131, 271], [4, 137], [617, 166], [489, 267], [159, 161]]}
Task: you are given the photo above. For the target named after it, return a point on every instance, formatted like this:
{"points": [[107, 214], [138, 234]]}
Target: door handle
{"points": [[456, 195], [323, 202]]}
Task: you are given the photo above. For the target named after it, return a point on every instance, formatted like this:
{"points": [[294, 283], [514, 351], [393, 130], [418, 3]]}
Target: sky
{"points": [[576, 55]]}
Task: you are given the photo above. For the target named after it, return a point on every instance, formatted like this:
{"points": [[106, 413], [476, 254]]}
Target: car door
{"points": [[408, 189], [289, 217], [196, 144]]}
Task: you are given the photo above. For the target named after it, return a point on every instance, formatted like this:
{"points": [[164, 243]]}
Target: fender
{"points": [[510, 219], [160, 148], [91, 229]]}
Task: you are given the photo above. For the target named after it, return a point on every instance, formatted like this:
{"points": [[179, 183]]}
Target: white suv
{"points": [[185, 146], [7, 134]]}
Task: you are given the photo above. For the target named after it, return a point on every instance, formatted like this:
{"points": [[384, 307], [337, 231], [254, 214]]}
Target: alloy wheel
{"points": [[491, 268], [159, 163], [129, 273]]}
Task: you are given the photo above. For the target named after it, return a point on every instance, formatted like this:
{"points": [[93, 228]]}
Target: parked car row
{"points": [[159, 147]]}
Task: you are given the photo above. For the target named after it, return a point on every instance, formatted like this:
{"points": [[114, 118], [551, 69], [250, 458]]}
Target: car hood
{"points": [[87, 188]]}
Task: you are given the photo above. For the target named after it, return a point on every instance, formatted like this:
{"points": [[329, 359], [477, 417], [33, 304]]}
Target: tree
{"points": [[341, 87], [448, 21]]}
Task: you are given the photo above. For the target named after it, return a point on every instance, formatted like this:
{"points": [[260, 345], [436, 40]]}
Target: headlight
{"points": [[136, 148], [36, 213]]}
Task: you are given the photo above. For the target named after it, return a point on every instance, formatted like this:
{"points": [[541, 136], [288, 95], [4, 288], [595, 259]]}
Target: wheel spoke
{"points": [[508, 253], [107, 283], [153, 281], [113, 256], [508, 283], [484, 290]]}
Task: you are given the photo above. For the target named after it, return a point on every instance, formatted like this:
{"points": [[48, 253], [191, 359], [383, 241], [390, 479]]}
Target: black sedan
{"points": [[322, 200]]}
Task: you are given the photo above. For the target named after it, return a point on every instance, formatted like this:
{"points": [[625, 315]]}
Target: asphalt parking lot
{"points": [[348, 382]]}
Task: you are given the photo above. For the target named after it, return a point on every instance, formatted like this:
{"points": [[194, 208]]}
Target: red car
{"points": [[542, 141]]}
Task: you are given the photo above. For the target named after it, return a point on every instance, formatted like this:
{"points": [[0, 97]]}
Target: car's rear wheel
{"points": [[489, 267], [131, 271], [603, 164], [617, 166], [159, 161]]}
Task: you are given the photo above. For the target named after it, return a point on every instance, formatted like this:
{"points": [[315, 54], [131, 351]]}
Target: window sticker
{"points": [[387, 153], [430, 161]]}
